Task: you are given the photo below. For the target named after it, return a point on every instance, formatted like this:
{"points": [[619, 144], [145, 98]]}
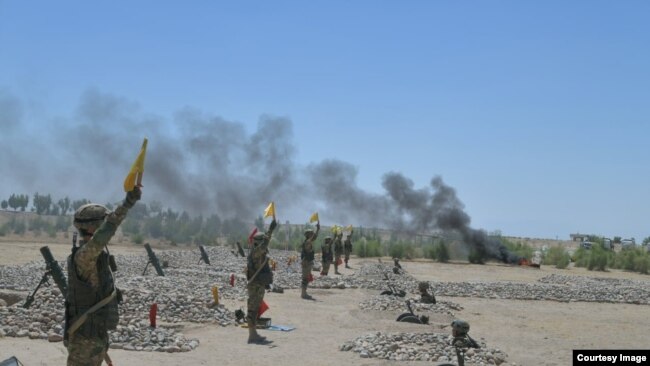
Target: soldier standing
{"points": [[307, 259], [347, 248], [326, 258], [92, 299], [260, 277], [338, 251]]}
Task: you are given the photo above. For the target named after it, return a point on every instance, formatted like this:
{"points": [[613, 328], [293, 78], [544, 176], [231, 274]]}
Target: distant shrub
{"points": [[368, 248], [137, 239], [557, 256], [441, 252], [518, 248], [476, 257]]}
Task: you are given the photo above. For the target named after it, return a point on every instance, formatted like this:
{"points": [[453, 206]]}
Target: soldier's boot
{"points": [[304, 294], [346, 264], [253, 336], [336, 269]]}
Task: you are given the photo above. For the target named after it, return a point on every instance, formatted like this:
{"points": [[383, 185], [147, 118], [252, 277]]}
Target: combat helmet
{"points": [[259, 237], [309, 232], [423, 286], [88, 217], [459, 327], [328, 239]]}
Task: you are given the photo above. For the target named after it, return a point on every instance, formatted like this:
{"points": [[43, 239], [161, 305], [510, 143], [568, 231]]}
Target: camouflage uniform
{"points": [[326, 258], [258, 263], [461, 341], [425, 296], [90, 279], [347, 248], [307, 259], [338, 252]]}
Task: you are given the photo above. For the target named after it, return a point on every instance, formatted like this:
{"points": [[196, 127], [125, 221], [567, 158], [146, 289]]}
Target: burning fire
{"points": [[526, 262]]}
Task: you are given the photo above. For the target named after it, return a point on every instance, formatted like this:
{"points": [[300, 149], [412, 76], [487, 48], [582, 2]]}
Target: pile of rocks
{"points": [[434, 347], [393, 303], [138, 336], [561, 289]]}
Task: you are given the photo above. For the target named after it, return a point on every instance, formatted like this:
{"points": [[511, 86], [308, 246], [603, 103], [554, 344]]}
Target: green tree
{"points": [[64, 204], [13, 202], [42, 203], [4, 204]]}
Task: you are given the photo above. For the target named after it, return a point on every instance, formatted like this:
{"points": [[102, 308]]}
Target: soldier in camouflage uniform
{"points": [[91, 302], [307, 259], [338, 252], [347, 248], [260, 277], [425, 296], [326, 258], [461, 341]]}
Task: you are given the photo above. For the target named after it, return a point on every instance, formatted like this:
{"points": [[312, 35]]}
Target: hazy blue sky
{"points": [[536, 112]]}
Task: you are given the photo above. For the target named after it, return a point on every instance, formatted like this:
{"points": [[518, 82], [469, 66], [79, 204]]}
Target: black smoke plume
{"points": [[205, 164]]}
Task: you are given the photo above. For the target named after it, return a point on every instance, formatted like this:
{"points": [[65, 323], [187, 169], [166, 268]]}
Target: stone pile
{"points": [[394, 303], [569, 289], [433, 347]]}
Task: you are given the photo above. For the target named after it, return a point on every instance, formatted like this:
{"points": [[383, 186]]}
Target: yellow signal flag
{"points": [[137, 169], [349, 228], [215, 294], [270, 210], [335, 229], [314, 217]]}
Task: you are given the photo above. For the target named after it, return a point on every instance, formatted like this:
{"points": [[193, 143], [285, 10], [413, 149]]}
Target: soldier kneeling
{"points": [[425, 296]]}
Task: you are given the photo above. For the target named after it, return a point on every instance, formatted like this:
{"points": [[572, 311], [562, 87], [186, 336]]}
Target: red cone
{"points": [[152, 315]]}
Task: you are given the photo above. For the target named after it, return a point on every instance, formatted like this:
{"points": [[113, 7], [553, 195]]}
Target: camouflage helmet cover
{"points": [[309, 232], [89, 216], [328, 239], [259, 237], [460, 326], [423, 286]]}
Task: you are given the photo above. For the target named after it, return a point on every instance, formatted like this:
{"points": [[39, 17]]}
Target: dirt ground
{"points": [[530, 332]]}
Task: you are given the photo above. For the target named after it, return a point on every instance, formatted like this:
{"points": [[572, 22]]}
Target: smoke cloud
{"points": [[205, 164]]}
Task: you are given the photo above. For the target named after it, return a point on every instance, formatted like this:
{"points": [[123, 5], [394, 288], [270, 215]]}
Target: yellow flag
{"points": [[335, 229], [270, 211], [349, 228], [137, 170], [215, 294], [314, 217]]}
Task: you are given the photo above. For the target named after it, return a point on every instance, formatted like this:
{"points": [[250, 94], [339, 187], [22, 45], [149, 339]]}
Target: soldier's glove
{"points": [[132, 197]]}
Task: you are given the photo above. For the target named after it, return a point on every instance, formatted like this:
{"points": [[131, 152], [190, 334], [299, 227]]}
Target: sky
{"points": [[536, 113]]}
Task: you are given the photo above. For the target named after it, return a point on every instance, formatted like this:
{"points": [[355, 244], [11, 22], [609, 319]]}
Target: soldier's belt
{"points": [[82, 319]]}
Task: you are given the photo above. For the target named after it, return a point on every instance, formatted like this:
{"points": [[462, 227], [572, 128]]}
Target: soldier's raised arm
{"points": [[89, 215], [272, 227], [315, 235]]}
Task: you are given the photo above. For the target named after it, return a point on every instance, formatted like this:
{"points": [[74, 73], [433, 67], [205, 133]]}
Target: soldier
{"points": [[338, 252], [347, 248], [461, 341], [260, 277], [92, 299], [326, 259], [397, 268], [425, 296], [307, 259]]}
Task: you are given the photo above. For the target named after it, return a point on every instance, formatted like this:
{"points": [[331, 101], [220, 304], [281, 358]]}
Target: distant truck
{"points": [[627, 244], [607, 244]]}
